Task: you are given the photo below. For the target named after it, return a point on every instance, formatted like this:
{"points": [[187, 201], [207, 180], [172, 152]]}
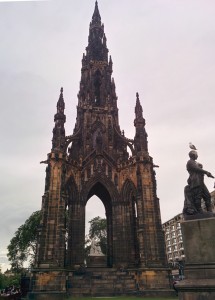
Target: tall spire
{"points": [[60, 104], [96, 19], [140, 140], [138, 108], [96, 86], [96, 49], [59, 130]]}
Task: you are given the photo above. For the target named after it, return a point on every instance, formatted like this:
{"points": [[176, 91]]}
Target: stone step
{"points": [[102, 280], [103, 284]]}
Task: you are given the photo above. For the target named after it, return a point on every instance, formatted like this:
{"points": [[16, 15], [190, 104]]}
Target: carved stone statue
{"points": [[95, 249], [196, 190]]}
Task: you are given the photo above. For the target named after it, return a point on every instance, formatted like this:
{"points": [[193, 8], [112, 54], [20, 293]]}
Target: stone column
{"points": [[76, 234], [51, 246]]}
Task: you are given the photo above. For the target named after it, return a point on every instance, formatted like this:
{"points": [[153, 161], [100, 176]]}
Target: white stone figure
{"points": [[95, 249]]}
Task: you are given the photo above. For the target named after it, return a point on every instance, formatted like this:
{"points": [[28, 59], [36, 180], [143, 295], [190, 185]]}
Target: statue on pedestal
{"points": [[95, 249], [196, 190], [96, 258]]}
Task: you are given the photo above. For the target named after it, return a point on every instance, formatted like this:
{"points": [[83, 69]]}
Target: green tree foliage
{"points": [[22, 247], [9, 280], [97, 231], [1, 279]]}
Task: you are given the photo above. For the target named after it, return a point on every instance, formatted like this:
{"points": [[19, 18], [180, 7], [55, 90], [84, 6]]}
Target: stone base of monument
{"points": [[199, 247], [97, 261], [48, 284], [112, 282]]}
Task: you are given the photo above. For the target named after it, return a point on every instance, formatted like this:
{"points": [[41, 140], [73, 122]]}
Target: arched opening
{"points": [[129, 151], [99, 204], [129, 196], [95, 226], [134, 222], [94, 208], [78, 217]]}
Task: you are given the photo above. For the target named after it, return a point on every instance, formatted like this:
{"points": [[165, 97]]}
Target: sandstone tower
{"points": [[94, 160]]}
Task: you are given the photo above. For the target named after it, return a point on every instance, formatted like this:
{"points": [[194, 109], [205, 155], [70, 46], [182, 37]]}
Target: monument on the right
{"points": [[198, 229]]}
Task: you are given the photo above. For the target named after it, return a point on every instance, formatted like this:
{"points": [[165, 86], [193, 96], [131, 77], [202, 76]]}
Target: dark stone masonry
{"points": [[94, 160]]}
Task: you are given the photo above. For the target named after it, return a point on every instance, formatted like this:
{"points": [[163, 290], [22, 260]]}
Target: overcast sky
{"points": [[163, 49]]}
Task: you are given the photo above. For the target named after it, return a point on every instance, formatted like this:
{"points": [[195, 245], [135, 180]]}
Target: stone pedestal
{"points": [[97, 261], [199, 246]]}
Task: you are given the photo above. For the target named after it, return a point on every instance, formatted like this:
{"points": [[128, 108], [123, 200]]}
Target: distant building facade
{"points": [[174, 240]]}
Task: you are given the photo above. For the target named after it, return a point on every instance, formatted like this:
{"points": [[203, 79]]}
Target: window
{"points": [[181, 245]]}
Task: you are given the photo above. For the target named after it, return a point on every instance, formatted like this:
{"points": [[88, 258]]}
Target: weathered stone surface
{"points": [[199, 245], [97, 261], [199, 241]]}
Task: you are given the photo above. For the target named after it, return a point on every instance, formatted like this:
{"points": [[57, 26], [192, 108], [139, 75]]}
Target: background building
{"points": [[174, 241]]}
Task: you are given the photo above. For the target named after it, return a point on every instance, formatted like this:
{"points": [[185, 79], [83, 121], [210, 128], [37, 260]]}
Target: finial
{"points": [[96, 16], [60, 103], [104, 39], [138, 107]]}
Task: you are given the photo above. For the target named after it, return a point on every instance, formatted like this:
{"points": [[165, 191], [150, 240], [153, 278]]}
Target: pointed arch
{"points": [[99, 180], [129, 197], [103, 188], [71, 190], [128, 190]]}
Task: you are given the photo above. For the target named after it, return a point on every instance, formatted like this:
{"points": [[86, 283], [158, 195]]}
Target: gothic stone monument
{"points": [[94, 160], [198, 231]]}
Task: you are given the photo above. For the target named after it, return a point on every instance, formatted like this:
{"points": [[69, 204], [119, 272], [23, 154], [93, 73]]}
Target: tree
{"points": [[97, 231], [22, 247], [5, 280]]}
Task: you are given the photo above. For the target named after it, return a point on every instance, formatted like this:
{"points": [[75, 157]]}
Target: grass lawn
{"points": [[126, 298]]}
